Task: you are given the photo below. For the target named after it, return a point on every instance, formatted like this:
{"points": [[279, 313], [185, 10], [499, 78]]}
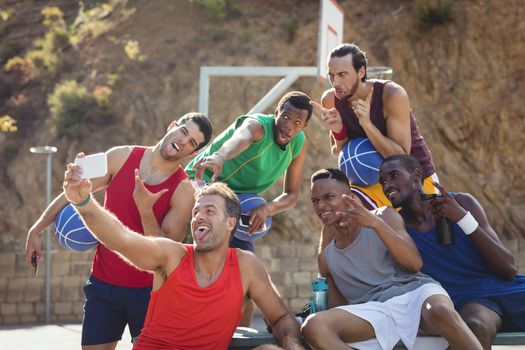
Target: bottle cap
{"points": [[319, 284]]}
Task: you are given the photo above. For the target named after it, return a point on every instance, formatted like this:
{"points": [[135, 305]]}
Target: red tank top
{"points": [[182, 315], [419, 148], [107, 265]]}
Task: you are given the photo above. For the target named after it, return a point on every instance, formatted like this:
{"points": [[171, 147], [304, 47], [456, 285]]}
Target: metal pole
{"points": [[290, 74], [48, 243], [49, 150]]}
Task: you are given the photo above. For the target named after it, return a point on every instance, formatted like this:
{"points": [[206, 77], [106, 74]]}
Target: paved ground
{"points": [[58, 337], [67, 337]]}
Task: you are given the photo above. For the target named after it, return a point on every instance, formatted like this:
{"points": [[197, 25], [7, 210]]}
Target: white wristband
{"points": [[468, 224]]}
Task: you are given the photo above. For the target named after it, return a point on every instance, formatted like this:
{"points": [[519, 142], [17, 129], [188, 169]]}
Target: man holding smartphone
{"points": [[147, 190], [476, 270], [198, 289]]}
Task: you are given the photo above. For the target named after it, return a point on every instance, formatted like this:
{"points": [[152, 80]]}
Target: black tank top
{"points": [[419, 148]]}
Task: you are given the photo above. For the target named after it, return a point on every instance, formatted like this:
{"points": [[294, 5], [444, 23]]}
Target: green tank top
{"points": [[259, 166]]}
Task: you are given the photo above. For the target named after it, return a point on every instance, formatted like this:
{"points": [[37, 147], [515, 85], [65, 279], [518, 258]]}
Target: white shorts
{"points": [[397, 319]]}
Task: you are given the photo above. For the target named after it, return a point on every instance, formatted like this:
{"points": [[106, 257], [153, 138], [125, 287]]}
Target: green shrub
{"points": [[75, 111], [17, 64], [7, 124], [46, 54], [218, 9], [53, 17], [132, 50], [434, 12]]}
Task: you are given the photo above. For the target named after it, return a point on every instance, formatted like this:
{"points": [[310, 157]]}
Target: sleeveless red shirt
{"points": [[107, 265], [182, 315], [419, 148]]}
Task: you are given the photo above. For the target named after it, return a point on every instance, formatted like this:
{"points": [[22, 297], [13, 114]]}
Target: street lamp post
{"points": [[49, 150]]}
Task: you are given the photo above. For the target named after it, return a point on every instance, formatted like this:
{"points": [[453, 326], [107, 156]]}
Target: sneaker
{"points": [[305, 311]]}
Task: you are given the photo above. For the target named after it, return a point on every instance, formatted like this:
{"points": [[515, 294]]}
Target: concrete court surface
{"points": [[61, 336], [67, 337]]}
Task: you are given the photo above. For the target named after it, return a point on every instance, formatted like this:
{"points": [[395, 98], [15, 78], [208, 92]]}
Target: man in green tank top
{"points": [[254, 152]]}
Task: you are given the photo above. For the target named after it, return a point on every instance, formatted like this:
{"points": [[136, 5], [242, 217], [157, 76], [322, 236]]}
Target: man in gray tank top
{"points": [[375, 287]]}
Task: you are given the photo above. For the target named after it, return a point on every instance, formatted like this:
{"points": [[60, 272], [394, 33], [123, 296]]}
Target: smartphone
{"points": [[94, 165], [34, 262], [245, 220]]}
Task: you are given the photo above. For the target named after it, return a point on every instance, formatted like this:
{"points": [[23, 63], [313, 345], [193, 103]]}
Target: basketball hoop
{"points": [[379, 72]]}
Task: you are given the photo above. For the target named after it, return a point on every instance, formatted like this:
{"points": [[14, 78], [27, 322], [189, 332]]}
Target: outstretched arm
{"points": [[144, 252], [484, 237], [398, 139], [249, 132], [258, 286], [289, 197], [331, 119], [116, 157]]}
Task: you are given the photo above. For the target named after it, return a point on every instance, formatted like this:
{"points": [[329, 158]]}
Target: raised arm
{"points": [[335, 298], [289, 197], [331, 119], [258, 286], [499, 258], [116, 157], [175, 222], [397, 113], [250, 131], [147, 253], [390, 228]]}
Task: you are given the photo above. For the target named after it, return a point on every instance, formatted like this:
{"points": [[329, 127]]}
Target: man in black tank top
{"points": [[379, 110]]}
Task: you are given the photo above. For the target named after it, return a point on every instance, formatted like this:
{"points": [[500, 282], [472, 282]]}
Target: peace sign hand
{"points": [[330, 118], [356, 213], [362, 108]]}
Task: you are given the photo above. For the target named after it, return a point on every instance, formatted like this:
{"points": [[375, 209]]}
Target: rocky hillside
{"points": [[464, 75]]}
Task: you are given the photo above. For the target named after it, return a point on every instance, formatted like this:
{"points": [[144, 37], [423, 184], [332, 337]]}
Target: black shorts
{"points": [[239, 243], [109, 308], [510, 307]]}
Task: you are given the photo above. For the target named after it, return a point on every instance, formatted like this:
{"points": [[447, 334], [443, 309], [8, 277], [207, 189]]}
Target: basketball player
{"points": [[117, 293], [254, 152], [476, 270], [198, 289], [375, 287], [376, 109]]}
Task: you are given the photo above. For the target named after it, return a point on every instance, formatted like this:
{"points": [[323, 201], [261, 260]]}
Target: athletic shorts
{"points": [[373, 196], [397, 319], [510, 307], [109, 308], [244, 245]]}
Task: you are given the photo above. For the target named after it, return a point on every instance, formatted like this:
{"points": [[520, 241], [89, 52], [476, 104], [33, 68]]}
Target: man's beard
{"points": [[352, 91]]}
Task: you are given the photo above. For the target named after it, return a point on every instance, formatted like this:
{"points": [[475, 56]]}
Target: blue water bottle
{"points": [[319, 295]]}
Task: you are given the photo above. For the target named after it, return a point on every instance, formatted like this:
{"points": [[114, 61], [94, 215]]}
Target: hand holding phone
{"points": [[34, 262], [245, 220], [94, 165]]}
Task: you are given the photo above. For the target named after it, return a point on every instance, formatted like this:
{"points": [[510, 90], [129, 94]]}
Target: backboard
{"points": [[331, 20]]}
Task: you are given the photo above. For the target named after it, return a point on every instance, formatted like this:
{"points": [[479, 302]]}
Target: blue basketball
{"points": [[71, 232], [360, 161], [250, 201]]}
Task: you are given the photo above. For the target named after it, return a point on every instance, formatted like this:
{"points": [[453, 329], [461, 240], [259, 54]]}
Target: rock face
{"points": [[465, 79]]}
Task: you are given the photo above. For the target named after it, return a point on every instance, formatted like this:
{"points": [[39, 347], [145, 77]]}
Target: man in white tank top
{"points": [[376, 293]]}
